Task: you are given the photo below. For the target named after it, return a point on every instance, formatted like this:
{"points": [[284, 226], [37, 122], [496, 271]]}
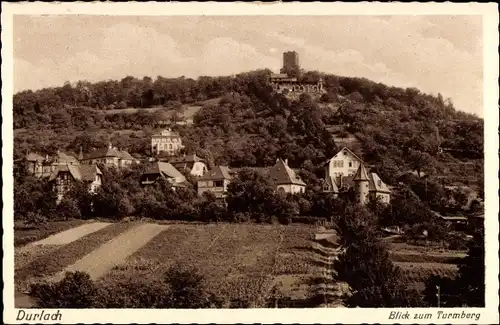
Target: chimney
{"points": [[286, 161], [110, 146], [80, 156]]}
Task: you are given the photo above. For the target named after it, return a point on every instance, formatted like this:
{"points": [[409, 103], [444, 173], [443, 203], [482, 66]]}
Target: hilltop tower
{"points": [[361, 185], [291, 64]]}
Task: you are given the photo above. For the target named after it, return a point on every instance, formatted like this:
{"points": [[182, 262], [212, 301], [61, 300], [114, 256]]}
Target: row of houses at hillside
{"points": [[344, 173], [41, 166]]}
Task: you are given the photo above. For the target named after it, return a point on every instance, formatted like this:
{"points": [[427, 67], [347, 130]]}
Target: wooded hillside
{"points": [[399, 130]]}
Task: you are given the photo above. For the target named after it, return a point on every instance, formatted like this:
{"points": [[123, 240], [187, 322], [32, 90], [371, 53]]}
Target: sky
{"points": [[436, 54]]}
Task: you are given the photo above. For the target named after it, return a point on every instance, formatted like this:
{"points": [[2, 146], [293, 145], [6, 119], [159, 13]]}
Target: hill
{"points": [[244, 123]]}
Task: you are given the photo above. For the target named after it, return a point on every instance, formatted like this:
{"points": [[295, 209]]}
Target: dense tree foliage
{"points": [[365, 265], [399, 129]]}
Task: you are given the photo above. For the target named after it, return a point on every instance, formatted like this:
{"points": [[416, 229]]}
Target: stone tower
{"points": [[361, 185], [291, 64]]}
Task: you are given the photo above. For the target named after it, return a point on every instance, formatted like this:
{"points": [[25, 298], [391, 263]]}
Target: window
{"points": [[218, 183], [350, 164], [379, 183], [338, 163]]}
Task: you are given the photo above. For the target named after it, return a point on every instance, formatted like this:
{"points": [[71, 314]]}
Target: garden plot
{"points": [[47, 260], [101, 260], [239, 261], [71, 235], [28, 253]]}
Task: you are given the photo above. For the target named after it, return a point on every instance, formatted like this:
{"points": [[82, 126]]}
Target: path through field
{"points": [[72, 234], [101, 260], [323, 255]]}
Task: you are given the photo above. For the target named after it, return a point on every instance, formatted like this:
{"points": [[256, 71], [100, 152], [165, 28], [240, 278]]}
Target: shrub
{"points": [[75, 290], [35, 219], [68, 209]]}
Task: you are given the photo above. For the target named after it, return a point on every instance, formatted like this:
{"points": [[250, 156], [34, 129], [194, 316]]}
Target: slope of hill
{"points": [[245, 124]]}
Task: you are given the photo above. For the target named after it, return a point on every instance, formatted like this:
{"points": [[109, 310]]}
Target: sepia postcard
{"points": [[198, 163]]}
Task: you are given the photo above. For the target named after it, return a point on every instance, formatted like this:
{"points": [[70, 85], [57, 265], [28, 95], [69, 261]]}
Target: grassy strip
{"points": [[24, 235], [66, 255], [424, 258]]}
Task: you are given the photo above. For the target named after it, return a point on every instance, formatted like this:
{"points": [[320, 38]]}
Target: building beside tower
{"points": [[288, 82]]}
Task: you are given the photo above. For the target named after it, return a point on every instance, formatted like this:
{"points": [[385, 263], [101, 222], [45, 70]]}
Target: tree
{"points": [[471, 273], [75, 290], [212, 209], [187, 287], [420, 161], [250, 194], [68, 208], [365, 265], [468, 289]]}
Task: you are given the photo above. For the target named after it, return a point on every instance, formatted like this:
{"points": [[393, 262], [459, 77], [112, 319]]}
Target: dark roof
{"points": [[361, 174], [79, 172], [126, 155], [88, 172], [376, 184], [164, 169], [107, 152], [100, 153], [217, 173], [280, 173], [186, 159], [343, 183]]}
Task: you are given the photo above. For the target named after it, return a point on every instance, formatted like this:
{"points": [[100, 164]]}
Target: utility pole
{"points": [[438, 295]]}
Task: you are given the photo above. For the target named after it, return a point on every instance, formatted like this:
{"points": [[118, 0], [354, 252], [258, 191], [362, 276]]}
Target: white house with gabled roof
{"points": [[344, 163]]}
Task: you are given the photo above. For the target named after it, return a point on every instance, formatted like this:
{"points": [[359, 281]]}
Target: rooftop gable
{"points": [[361, 174], [217, 173], [280, 173]]}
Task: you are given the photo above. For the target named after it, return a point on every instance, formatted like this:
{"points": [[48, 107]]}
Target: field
{"points": [[418, 263], [26, 234], [35, 263], [241, 262]]}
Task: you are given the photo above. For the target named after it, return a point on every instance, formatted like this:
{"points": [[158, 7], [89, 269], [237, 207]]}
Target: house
{"points": [[365, 185], [344, 163], [34, 164], [215, 181], [165, 170], [285, 179], [109, 157], [166, 141], [191, 164], [43, 166], [65, 176], [346, 171]]}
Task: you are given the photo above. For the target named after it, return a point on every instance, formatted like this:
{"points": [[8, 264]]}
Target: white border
{"points": [[488, 11]]}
